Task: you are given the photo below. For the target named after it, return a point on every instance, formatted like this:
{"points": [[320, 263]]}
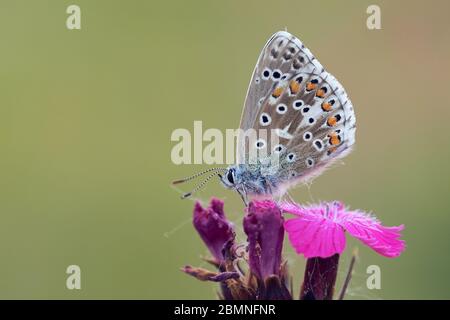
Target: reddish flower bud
{"points": [[263, 225], [213, 227]]}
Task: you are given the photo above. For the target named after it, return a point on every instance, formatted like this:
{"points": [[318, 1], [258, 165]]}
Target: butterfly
{"points": [[306, 112]]}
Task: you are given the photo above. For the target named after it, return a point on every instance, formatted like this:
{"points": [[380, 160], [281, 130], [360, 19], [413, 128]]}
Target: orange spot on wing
{"points": [[320, 93], [335, 139], [277, 92], [294, 86], [326, 106], [310, 86], [331, 150], [331, 121]]}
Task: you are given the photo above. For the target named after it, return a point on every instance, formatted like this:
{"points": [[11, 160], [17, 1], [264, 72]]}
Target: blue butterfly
{"points": [[300, 106]]}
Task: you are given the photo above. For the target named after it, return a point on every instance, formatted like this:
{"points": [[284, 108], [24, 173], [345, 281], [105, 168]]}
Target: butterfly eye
{"points": [[230, 176]]}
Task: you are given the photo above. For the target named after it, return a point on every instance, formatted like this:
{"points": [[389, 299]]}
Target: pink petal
{"points": [[292, 208], [384, 240], [316, 237], [318, 230]]}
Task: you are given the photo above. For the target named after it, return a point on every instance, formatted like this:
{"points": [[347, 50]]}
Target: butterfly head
{"points": [[229, 178], [233, 179]]}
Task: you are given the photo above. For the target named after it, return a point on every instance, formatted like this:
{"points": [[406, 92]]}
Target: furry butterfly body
{"points": [[294, 98]]}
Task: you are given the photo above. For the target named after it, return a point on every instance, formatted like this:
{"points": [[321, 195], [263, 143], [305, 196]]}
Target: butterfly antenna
{"points": [[197, 175], [198, 187]]}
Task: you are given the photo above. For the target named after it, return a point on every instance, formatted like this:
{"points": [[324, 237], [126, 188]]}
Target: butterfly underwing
{"points": [[304, 107]]}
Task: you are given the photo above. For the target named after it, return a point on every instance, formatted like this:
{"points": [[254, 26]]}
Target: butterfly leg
{"points": [[243, 195]]}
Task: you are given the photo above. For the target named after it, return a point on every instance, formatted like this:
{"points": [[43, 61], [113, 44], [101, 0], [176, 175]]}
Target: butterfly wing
{"points": [[292, 93]]}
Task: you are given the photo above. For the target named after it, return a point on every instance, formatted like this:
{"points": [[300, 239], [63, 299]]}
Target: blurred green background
{"points": [[86, 117]]}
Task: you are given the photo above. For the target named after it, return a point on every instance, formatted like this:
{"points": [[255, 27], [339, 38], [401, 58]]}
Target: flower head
{"points": [[319, 230], [213, 227], [263, 225]]}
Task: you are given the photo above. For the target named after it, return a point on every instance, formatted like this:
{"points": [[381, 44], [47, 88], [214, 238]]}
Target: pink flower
{"points": [[319, 230]]}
